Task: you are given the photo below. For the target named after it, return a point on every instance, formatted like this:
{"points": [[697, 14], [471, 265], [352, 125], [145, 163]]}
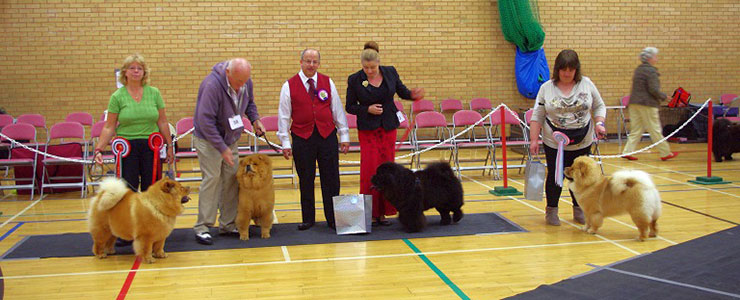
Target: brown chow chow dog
{"points": [[626, 191], [256, 195], [146, 218]]}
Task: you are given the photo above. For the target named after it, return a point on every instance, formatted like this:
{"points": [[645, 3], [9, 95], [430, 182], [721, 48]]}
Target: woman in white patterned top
{"points": [[567, 103]]}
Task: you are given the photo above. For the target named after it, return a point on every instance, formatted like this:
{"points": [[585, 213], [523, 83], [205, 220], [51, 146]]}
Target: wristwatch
{"points": [[601, 123]]}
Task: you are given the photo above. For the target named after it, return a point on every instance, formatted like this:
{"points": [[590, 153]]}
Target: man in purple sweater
{"points": [[223, 97]]}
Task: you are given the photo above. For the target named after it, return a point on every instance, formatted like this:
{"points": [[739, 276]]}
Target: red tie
{"points": [[312, 90]]}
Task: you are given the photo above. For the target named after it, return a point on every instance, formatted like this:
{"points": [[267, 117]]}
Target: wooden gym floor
{"points": [[461, 267]]}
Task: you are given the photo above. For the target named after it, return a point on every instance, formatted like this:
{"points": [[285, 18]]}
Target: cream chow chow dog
{"points": [[627, 191]]}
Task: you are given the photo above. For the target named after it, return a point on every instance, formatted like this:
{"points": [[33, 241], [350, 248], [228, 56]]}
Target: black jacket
{"points": [[359, 99]]}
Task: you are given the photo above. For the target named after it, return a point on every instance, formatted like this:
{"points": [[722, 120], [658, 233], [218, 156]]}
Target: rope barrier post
{"points": [[709, 179], [505, 190]]}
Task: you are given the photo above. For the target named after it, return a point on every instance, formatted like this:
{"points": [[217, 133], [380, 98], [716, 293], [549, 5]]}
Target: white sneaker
{"points": [[204, 238]]}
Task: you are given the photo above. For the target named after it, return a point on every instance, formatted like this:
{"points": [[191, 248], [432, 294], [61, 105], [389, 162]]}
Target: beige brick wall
{"points": [[58, 56]]}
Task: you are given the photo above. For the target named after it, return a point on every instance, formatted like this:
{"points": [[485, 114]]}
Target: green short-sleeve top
{"points": [[136, 120]]}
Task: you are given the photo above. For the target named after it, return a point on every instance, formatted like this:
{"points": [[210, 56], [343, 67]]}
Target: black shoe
{"points": [[204, 238], [304, 226], [233, 232], [377, 223], [331, 225], [123, 243]]}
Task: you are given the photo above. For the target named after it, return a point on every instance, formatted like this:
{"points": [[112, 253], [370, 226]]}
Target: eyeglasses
{"points": [[311, 62], [135, 68]]}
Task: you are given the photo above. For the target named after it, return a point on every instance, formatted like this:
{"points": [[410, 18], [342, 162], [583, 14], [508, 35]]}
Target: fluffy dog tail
{"points": [[635, 181], [627, 179], [112, 190]]}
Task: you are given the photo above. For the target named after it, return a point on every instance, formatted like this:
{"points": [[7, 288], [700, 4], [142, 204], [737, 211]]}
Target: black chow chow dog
{"points": [[414, 192], [725, 139]]}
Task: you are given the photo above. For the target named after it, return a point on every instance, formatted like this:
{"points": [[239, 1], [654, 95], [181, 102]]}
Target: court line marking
{"points": [[437, 271], [329, 259], [667, 281], [613, 219], [682, 182], [129, 279], [563, 220], [21, 212], [286, 254], [11, 231]]}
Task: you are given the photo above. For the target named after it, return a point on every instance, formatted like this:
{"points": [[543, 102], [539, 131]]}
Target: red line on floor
{"points": [[129, 279]]}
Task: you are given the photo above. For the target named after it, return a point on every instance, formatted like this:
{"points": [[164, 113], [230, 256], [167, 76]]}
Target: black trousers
{"points": [[306, 152], [137, 167], [552, 190]]}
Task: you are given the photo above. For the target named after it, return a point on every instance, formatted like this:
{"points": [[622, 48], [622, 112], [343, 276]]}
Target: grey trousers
{"points": [[219, 188]]}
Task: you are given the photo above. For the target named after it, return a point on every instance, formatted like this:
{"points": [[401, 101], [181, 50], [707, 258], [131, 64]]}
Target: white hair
{"points": [[648, 53]]}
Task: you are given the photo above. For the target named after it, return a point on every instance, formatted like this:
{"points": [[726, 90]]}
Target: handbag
{"points": [[534, 179], [353, 213], [680, 98], [575, 135]]}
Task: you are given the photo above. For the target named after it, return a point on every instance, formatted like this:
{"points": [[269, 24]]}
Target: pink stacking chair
{"points": [[725, 99], [94, 173], [482, 106], [421, 105], [80, 117], [431, 120], [352, 124], [271, 127], [450, 105], [407, 143], [65, 133], [181, 127], [5, 120], [528, 119], [461, 120], [83, 118], [247, 149], [17, 132], [37, 120]]}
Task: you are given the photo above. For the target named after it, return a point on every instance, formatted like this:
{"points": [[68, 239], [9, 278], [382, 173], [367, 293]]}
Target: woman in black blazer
{"points": [[370, 97]]}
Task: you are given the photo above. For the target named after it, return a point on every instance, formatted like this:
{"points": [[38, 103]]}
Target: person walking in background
{"points": [[370, 97], [311, 100], [224, 96], [566, 103], [645, 99]]}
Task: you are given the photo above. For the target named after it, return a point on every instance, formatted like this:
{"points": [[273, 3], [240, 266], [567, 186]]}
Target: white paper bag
{"points": [[534, 180], [353, 213]]}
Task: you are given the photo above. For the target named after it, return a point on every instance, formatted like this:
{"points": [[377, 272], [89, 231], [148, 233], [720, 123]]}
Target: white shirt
{"points": [[568, 111], [236, 97], [285, 111]]}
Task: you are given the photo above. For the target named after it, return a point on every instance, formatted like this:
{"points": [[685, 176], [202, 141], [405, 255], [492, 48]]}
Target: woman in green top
{"points": [[138, 110]]}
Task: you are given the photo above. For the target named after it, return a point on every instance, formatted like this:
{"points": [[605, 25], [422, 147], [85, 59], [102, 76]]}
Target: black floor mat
{"points": [[703, 268], [80, 244]]}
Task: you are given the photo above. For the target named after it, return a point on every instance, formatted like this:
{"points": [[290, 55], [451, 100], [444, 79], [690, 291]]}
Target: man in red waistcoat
{"points": [[312, 101]]}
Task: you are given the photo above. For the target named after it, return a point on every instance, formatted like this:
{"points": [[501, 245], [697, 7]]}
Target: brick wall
{"points": [[59, 56]]}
